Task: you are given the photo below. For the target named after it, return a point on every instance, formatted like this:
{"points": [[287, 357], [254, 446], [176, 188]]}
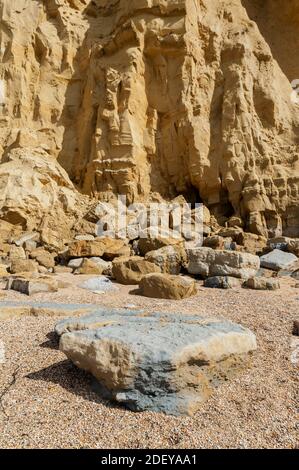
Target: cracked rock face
{"points": [[157, 96], [168, 363]]}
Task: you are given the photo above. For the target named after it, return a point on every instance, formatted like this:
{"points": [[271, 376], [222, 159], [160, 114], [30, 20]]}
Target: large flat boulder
{"points": [[277, 260], [207, 262], [164, 363], [167, 286]]}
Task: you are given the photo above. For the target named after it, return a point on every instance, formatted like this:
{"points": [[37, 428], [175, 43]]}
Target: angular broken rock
{"points": [[33, 286], [207, 262], [43, 257], [129, 271], [164, 363], [89, 267], [107, 247], [167, 286], [277, 260], [155, 243], [223, 282], [168, 258], [262, 283], [23, 265]]}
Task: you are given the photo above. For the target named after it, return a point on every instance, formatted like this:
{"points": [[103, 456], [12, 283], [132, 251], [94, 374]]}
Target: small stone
{"points": [[84, 237], [75, 263]]}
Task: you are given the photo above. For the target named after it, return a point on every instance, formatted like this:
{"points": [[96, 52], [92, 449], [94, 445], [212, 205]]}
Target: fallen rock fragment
{"points": [[277, 260], [262, 283], [167, 286], [163, 363], [168, 258], [21, 266], [43, 257], [33, 286], [89, 267], [155, 243], [207, 262], [109, 248], [129, 271], [223, 282]]}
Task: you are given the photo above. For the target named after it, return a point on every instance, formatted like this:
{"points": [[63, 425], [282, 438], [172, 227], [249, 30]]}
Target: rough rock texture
{"points": [[262, 283], [168, 258], [172, 367], [207, 262], [222, 282], [34, 286], [167, 286], [149, 96], [277, 260], [129, 271]]}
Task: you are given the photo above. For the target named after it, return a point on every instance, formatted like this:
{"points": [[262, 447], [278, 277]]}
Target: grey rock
{"points": [[75, 263], [26, 237], [223, 282], [207, 262], [100, 283], [277, 260], [168, 363]]}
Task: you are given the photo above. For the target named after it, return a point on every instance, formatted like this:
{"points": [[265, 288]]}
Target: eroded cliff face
{"points": [[171, 97]]}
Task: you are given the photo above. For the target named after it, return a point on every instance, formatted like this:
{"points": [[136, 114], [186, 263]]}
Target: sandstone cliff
{"points": [[139, 97]]}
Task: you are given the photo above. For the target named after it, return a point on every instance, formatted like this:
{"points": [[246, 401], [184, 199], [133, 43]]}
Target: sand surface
{"points": [[46, 402]]}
